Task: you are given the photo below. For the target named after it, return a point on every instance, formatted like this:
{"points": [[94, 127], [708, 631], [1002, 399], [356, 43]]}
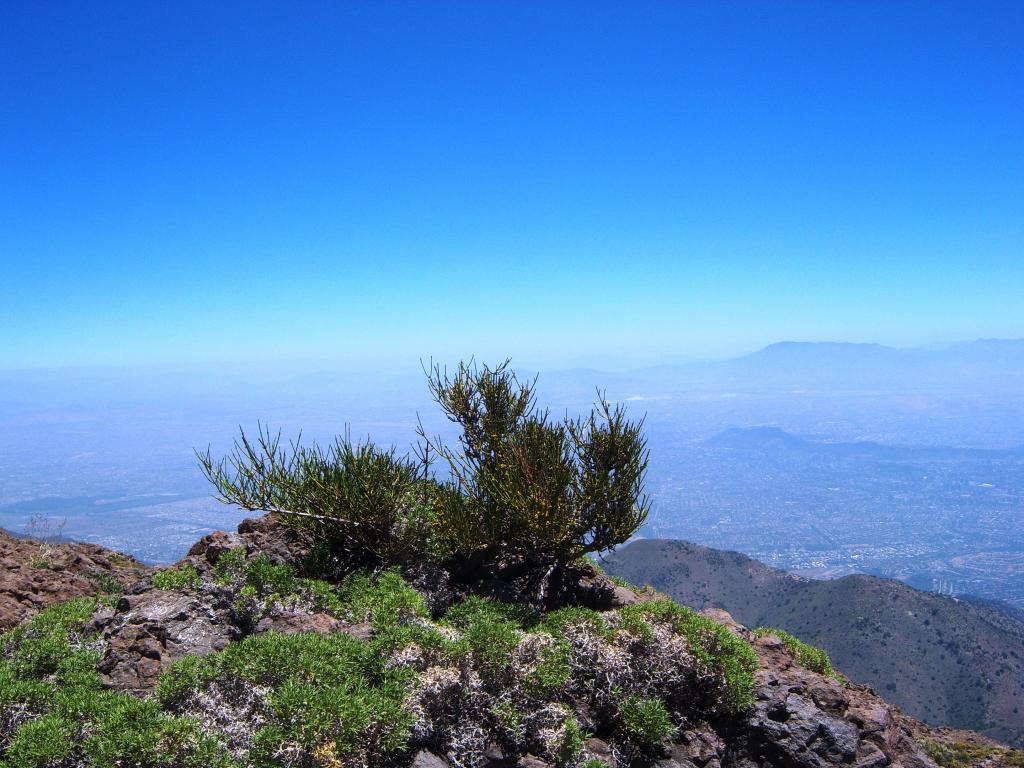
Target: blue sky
{"points": [[559, 182]]}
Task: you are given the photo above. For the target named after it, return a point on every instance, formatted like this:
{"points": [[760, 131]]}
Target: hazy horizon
{"points": [[413, 366]]}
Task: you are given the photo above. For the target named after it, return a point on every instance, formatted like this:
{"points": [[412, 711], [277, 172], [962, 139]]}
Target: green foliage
{"points": [[363, 500], [646, 720], [526, 484], [814, 659], [508, 716], [47, 671], [571, 742], [552, 671], [384, 600], [326, 689], [177, 578], [39, 647], [960, 754], [490, 629], [710, 642], [556, 621], [41, 742], [266, 578], [106, 583], [230, 565], [260, 582], [521, 483]]}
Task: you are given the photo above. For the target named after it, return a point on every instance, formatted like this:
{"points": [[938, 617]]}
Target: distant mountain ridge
{"points": [[764, 437], [988, 364], [950, 662]]}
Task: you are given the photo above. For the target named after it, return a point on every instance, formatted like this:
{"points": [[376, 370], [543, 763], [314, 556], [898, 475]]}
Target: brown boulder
{"points": [[35, 575], [266, 535]]}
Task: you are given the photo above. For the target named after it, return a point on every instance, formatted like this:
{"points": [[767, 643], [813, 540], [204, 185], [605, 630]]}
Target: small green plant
{"points": [[710, 642], [384, 600], [558, 620], [41, 742], [571, 742], [267, 578], [960, 754], [552, 671], [48, 673], [230, 565], [646, 720], [488, 629], [106, 583], [814, 659], [508, 715], [182, 577], [324, 689]]}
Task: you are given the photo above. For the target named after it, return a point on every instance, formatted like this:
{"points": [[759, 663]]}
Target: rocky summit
{"points": [[239, 656], [35, 574]]}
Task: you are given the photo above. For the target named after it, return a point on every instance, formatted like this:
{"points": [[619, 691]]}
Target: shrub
{"points": [[712, 644], [366, 502], [266, 578], [177, 578], [814, 659], [49, 672], [520, 483], [326, 692], [384, 600], [41, 742], [106, 583], [525, 484], [646, 720], [487, 629], [571, 742], [508, 715], [552, 671], [230, 565], [556, 621]]}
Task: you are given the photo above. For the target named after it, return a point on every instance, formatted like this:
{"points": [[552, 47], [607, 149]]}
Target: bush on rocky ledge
{"points": [[518, 485]]}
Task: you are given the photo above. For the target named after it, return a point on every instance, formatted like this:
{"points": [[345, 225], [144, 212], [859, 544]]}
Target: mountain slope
{"points": [[949, 662], [231, 660]]}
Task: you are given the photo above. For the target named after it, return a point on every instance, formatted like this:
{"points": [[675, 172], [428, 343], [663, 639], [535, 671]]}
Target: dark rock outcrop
{"points": [[266, 535], [946, 661], [146, 632]]}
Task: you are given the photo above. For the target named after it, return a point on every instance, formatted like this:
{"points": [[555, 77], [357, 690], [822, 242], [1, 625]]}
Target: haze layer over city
{"points": [[824, 459]]}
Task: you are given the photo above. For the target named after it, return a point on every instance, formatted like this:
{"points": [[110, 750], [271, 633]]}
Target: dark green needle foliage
{"points": [[526, 484], [520, 482], [365, 501]]}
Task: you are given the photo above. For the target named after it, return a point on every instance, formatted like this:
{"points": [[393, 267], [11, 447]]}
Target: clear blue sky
{"points": [[555, 181]]}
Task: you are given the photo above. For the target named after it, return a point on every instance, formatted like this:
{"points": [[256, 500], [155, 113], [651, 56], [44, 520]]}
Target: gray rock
{"points": [[147, 632], [425, 759]]}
